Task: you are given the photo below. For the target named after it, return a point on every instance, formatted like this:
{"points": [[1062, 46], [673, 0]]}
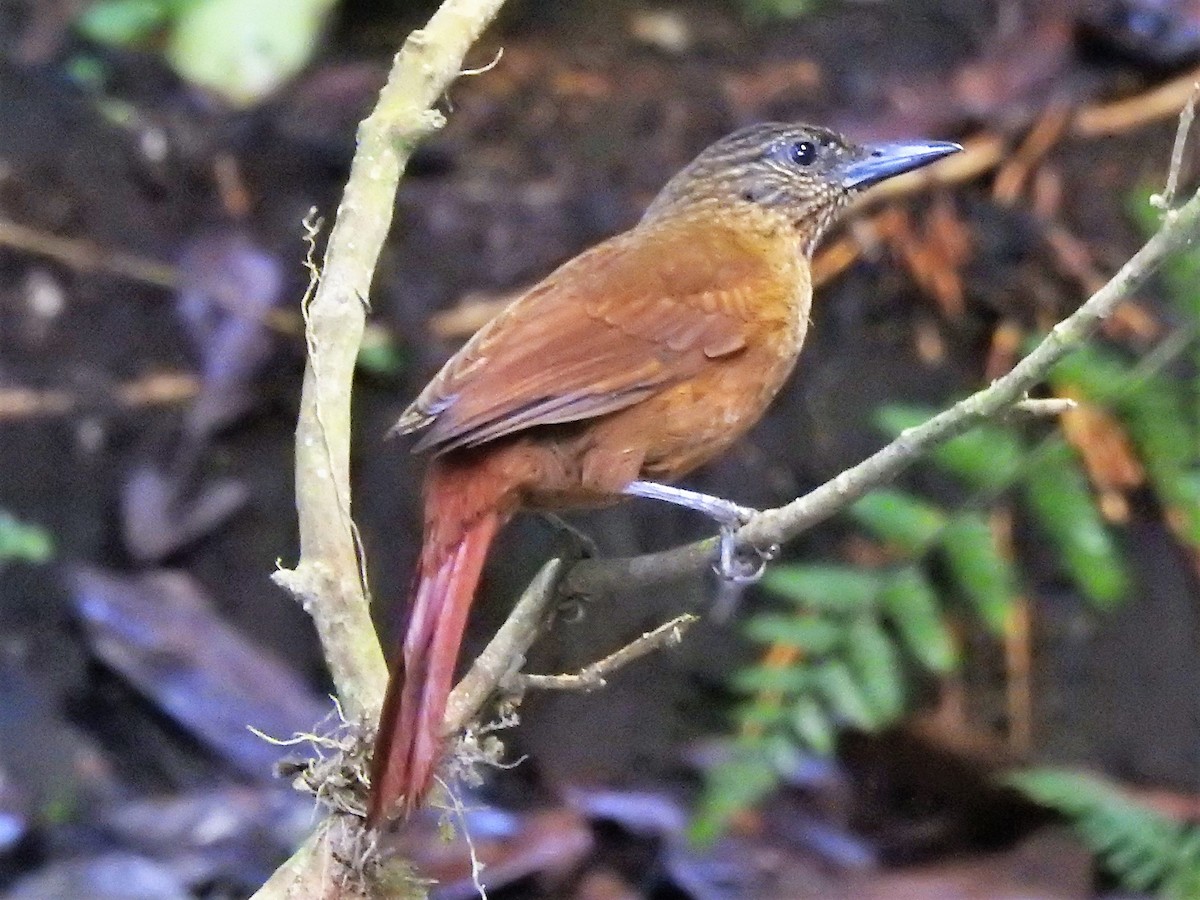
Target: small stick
{"points": [[594, 676]]}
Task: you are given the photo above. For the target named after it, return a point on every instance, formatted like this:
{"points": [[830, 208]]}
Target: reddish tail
{"points": [[463, 510]]}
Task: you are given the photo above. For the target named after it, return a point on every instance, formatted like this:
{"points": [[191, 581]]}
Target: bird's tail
{"points": [[464, 508]]}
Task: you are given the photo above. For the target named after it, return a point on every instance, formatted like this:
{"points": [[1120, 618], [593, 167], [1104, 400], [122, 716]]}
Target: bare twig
{"points": [[594, 676], [327, 577], [505, 653], [155, 389], [1166, 199], [1045, 408], [87, 256]]}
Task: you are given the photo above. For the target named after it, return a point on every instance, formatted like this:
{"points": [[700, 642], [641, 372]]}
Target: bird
{"points": [[622, 371]]}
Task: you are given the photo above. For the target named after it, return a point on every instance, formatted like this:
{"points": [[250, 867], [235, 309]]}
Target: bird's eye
{"points": [[802, 153]]}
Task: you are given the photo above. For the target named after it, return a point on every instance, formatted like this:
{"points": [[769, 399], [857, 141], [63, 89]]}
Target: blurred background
{"points": [[981, 682]]}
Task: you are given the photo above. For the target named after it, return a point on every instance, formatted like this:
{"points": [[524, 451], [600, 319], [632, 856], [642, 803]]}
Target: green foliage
{"points": [[982, 571], [129, 22], [379, 353], [1175, 426], [1145, 850], [829, 588], [844, 653], [23, 543], [778, 9], [987, 458], [911, 604], [995, 458], [242, 50], [1163, 426], [1057, 493], [900, 519], [735, 785]]}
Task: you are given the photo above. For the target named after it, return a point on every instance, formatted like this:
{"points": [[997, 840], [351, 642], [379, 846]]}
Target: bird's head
{"points": [[807, 173]]}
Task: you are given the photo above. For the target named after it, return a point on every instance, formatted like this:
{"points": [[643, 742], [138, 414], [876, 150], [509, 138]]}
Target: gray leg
{"points": [[722, 511], [727, 514]]}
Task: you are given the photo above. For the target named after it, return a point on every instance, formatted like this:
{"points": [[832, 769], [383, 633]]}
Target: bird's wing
{"points": [[609, 328]]}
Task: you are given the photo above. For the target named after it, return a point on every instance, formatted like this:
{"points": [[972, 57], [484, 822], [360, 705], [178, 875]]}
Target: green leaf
{"points": [[845, 696], [1144, 849], [1095, 373], [813, 726], [814, 635], [1186, 505], [772, 679], [835, 589], [379, 354], [760, 715], [987, 457], [910, 604], [126, 23], [1181, 269], [900, 519], [1157, 419], [23, 543], [1058, 494], [894, 418], [731, 787], [982, 573], [244, 50], [875, 665]]}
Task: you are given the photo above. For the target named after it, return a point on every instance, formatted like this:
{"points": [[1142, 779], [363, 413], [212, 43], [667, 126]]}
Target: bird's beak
{"points": [[884, 161]]}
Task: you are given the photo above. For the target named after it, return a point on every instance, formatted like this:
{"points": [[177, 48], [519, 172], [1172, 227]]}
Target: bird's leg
{"points": [[728, 515]]}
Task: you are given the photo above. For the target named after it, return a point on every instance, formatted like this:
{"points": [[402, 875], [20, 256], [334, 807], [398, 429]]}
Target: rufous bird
{"points": [[627, 367]]}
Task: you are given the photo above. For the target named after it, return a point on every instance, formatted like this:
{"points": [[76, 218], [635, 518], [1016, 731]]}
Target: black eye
{"points": [[802, 153]]}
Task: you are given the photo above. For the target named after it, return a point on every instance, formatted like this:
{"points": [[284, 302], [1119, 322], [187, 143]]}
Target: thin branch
{"points": [[1160, 102], [155, 389], [505, 653], [775, 526], [1044, 408], [1166, 199], [594, 676], [84, 255]]}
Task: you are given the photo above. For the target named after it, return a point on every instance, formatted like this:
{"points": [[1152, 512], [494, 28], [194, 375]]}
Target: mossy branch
{"points": [[328, 578]]}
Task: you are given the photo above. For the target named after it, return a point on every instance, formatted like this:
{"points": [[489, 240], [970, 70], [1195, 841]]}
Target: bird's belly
{"points": [[663, 438], [687, 425]]}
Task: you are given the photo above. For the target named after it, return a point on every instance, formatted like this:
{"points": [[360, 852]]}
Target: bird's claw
{"points": [[740, 515], [744, 564]]}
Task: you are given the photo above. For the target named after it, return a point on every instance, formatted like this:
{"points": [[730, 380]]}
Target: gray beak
{"points": [[884, 161]]}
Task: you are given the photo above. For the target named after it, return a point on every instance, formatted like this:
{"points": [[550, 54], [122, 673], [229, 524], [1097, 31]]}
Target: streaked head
{"points": [[806, 172]]}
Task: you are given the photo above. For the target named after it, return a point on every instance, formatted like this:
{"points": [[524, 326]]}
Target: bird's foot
{"points": [[744, 563], [736, 564]]}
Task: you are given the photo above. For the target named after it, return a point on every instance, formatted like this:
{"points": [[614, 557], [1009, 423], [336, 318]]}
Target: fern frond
{"points": [[1142, 848]]}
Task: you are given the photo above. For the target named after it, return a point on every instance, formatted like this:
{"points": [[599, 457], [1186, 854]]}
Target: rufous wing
{"points": [[633, 315]]}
